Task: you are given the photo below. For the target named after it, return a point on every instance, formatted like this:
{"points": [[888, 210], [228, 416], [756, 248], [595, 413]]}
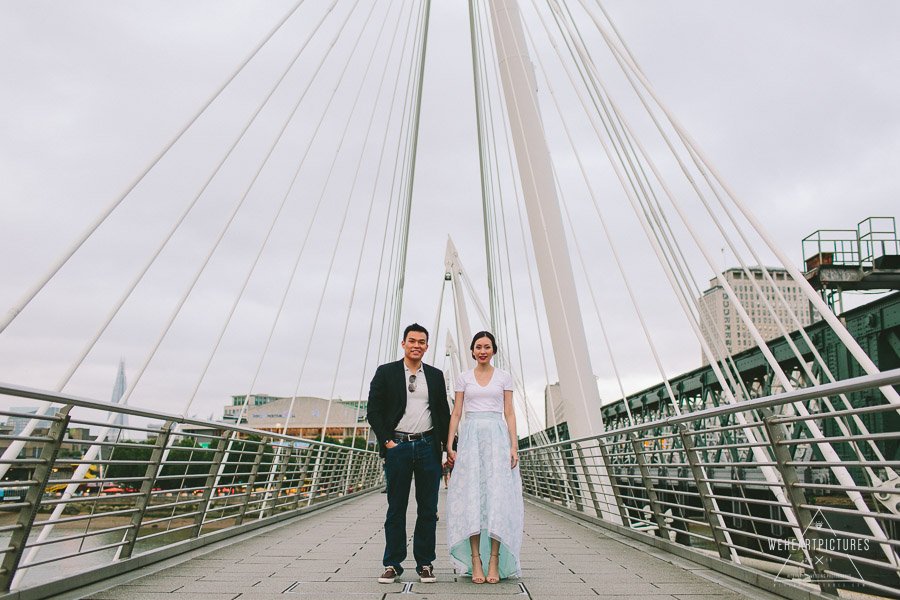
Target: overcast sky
{"points": [[795, 102]]}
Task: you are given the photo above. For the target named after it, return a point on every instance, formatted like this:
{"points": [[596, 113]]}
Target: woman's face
{"points": [[483, 350]]}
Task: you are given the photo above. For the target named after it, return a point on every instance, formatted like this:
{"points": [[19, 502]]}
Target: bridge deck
{"points": [[336, 553]]}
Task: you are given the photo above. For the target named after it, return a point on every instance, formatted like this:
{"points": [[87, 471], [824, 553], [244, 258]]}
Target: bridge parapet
{"points": [[756, 484], [160, 486]]}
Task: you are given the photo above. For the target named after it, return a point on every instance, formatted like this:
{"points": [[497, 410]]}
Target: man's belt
{"points": [[401, 437]]}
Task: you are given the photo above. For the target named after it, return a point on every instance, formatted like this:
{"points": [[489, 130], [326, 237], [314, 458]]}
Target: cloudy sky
{"points": [[795, 102]]}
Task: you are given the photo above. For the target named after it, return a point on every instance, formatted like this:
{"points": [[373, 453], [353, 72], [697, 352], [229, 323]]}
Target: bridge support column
{"points": [[576, 379]]}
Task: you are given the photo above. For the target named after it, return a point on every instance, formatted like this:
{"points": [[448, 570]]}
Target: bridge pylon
{"points": [[581, 397]]}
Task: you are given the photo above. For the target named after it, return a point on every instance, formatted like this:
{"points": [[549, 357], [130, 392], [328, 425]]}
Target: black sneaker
{"points": [[389, 575], [426, 574]]}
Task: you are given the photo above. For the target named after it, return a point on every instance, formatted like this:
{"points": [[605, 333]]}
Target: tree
{"points": [[356, 442], [139, 452]]}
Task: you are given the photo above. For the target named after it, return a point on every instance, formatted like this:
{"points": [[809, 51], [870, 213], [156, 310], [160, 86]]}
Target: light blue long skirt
{"points": [[485, 496]]}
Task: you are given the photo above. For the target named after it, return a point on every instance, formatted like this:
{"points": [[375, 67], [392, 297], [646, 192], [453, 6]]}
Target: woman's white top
{"points": [[484, 398]]}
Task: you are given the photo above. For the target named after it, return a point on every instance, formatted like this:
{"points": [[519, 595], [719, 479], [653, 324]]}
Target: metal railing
{"points": [[149, 486], [877, 238], [872, 239], [831, 247], [778, 484]]}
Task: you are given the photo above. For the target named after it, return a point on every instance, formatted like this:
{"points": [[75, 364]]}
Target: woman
{"points": [[484, 503]]}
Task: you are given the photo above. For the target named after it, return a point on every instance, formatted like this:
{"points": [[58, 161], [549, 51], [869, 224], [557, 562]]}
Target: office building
{"points": [[720, 321]]}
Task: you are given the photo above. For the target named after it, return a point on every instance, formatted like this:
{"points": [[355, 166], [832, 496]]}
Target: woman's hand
{"points": [[513, 458], [451, 457]]}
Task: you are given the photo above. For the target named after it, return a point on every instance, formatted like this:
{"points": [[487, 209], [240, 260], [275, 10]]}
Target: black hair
{"points": [[478, 336], [415, 327]]}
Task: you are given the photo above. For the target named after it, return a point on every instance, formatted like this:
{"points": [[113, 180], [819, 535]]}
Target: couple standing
{"points": [[409, 414]]}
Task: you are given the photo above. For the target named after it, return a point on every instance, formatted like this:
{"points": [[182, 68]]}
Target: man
{"points": [[409, 414]]}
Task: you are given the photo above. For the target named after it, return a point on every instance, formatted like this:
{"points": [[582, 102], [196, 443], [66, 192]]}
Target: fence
{"points": [[792, 484], [69, 505]]}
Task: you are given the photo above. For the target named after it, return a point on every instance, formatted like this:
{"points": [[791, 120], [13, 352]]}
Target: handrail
{"points": [[171, 485], [9, 389], [751, 481], [836, 388]]}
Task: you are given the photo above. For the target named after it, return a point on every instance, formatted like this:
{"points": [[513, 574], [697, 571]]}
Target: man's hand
{"points": [[390, 444], [451, 457]]}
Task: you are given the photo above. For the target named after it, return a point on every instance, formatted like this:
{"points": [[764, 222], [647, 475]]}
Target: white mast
{"points": [[455, 270], [576, 379]]}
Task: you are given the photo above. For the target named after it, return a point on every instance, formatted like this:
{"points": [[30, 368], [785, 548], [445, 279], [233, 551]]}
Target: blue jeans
{"points": [[424, 459]]}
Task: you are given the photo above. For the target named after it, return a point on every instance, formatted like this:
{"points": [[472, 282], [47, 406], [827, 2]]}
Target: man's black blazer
{"points": [[387, 401]]}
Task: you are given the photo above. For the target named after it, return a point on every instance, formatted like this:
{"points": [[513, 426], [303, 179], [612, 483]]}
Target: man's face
{"points": [[415, 345]]}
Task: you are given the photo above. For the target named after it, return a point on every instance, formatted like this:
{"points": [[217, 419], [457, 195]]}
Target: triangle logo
{"points": [[820, 540]]}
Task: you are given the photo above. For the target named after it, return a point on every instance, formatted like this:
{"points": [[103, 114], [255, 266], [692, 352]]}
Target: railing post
{"points": [[304, 469], [337, 474], [567, 490], [366, 475], [282, 471], [589, 482], [611, 474], [572, 477], [206, 498], [655, 508], [328, 469], [541, 486], [143, 501], [251, 481], [555, 484], [321, 455], [376, 470], [371, 471], [528, 466], [537, 474], [350, 467], [777, 434], [33, 497], [533, 471], [705, 492]]}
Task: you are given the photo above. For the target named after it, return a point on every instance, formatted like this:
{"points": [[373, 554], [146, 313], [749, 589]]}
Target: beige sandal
{"points": [[491, 562], [476, 559]]}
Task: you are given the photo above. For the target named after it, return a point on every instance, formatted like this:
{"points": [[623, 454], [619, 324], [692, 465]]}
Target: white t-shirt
{"points": [[488, 398], [417, 418]]}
